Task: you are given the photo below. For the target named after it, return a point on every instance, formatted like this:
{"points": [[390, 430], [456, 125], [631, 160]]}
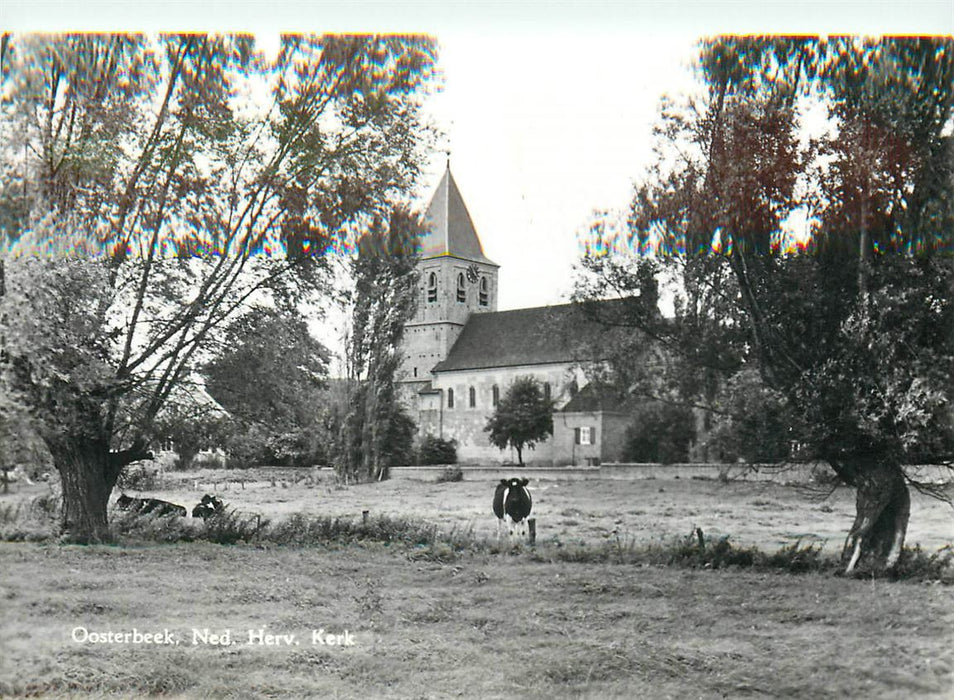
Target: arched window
{"points": [[496, 395], [483, 297], [450, 398], [432, 287], [461, 288], [472, 397]]}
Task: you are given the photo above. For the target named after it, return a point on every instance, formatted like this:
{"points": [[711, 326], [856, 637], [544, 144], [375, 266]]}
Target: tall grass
{"points": [[419, 540], [29, 521]]}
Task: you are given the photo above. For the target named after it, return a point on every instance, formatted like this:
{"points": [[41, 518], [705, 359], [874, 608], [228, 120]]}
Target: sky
{"points": [[544, 129], [547, 108]]}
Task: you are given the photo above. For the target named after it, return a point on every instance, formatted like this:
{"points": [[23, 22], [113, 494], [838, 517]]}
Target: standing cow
{"points": [[512, 500]]}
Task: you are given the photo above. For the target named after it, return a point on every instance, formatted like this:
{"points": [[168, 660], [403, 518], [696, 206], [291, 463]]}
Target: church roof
{"points": [[450, 230], [535, 336]]}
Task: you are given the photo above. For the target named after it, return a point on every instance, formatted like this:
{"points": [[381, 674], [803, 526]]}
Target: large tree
{"points": [[849, 318], [377, 432], [269, 376], [523, 417], [151, 187]]}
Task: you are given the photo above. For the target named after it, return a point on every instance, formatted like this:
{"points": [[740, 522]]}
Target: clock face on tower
{"points": [[472, 273]]}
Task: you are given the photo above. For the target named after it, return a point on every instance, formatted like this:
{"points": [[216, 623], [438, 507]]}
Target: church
{"points": [[460, 354]]}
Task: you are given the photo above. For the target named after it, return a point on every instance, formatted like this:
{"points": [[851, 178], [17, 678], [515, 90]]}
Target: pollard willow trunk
{"points": [[88, 475], [882, 510]]}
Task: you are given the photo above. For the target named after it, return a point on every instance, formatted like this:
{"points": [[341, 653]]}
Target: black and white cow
{"points": [[125, 502], [209, 506], [145, 506], [512, 500]]}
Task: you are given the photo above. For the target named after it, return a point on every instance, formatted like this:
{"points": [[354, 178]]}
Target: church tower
{"points": [[456, 279]]}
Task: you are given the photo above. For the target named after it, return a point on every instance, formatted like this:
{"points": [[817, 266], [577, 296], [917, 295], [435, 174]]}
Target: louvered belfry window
{"points": [[461, 288]]}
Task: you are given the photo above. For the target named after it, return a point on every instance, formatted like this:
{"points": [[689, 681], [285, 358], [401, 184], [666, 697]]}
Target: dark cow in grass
{"points": [[512, 501], [208, 507], [147, 506]]}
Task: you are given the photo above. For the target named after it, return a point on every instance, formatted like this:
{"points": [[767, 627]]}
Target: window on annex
{"points": [[546, 391], [461, 288], [472, 397], [496, 395], [450, 398], [432, 287], [584, 436], [483, 297]]}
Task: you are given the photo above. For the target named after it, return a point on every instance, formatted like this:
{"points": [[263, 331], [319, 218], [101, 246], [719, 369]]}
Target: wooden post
{"points": [[532, 530], [364, 517]]}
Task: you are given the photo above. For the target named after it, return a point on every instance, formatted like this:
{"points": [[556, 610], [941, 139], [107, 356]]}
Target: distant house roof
{"points": [[596, 397], [536, 336], [450, 230]]}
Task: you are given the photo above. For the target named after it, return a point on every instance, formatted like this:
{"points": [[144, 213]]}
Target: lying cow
{"points": [[512, 500], [146, 506], [208, 506]]}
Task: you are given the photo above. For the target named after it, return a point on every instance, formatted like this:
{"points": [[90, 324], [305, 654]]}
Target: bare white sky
{"points": [[547, 106], [543, 129]]}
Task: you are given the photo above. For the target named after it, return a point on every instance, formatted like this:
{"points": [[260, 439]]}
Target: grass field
{"points": [[479, 627], [764, 514], [480, 624]]}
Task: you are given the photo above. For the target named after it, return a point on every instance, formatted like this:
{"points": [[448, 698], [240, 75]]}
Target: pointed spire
{"points": [[450, 228]]}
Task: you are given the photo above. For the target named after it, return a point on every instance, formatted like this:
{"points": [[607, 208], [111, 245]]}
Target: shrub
{"points": [[29, 521], [755, 424], [798, 560], [914, 564], [660, 432], [230, 527], [435, 450], [450, 474]]}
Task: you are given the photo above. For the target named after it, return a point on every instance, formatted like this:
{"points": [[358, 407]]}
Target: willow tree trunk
{"points": [[882, 510], [88, 476]]}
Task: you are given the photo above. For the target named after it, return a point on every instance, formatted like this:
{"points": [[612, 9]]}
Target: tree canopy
{"points": [[815, 251], [377, 432], [523, 418], [152, 187]]}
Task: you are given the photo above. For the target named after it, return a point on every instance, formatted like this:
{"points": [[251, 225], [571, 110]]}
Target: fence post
{"points": [[532, 530], [364, 517]]}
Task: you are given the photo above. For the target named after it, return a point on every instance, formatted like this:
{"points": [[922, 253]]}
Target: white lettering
{"points": [[323, 638], [204, 636]]}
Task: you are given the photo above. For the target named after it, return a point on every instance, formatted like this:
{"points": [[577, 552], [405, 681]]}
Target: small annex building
{"points": [[460, 355]]}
